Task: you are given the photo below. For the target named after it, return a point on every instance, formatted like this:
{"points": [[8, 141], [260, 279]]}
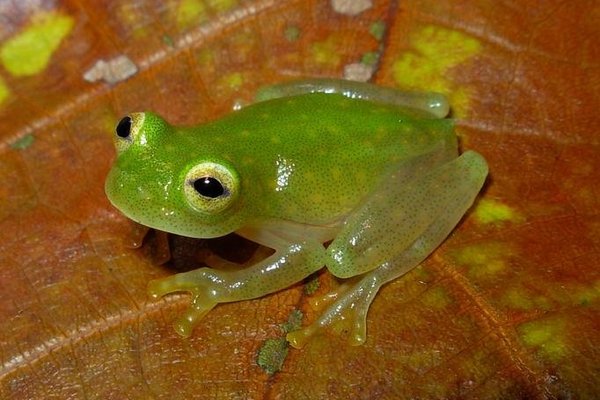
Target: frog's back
{"points": [[314, 157]]}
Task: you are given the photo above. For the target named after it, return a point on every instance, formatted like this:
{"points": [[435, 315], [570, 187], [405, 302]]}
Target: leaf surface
{"points": [[506, 308]]}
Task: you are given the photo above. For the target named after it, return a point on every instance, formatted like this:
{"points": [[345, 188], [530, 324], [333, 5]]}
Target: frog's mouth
{"points": [[132, 200], [115, 189]]}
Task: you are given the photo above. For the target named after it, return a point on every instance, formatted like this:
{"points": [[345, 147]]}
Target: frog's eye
{"points": [[124, 127], [211, 187], [127, 130]]}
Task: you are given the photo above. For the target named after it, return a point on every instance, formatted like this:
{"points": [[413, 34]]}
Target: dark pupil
{"points": [[208, 187], [124, 127]]}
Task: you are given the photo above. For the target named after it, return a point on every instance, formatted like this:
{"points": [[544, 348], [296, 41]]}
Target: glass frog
{"points": [[373, 172]]}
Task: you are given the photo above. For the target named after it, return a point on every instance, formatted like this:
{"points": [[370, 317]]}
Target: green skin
{"points": [[378, 175]]}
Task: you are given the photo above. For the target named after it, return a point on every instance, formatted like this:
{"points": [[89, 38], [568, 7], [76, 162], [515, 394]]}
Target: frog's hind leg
{"points": [[435, 105], [394, 232]]}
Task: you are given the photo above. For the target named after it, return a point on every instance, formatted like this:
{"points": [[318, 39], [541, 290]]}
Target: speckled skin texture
{"points": [[384, 183]]}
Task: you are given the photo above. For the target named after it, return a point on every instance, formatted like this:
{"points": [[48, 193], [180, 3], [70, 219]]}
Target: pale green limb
{"points": [[415, 193], [446, 193], [209, 287], [434, 104]]}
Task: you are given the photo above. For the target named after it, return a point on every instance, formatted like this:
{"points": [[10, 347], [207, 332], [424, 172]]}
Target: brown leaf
{"points": [[506, 308]]}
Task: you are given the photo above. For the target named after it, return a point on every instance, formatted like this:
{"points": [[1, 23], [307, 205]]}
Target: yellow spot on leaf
{"points": [[518, 299], [327, 52], [4, 92], [221, 5], [587, 295], [422, 359], [29, 52], [483, 260], [206, 57], [436, 50], [436, 298], [547, 335], [191, 12], [234, 80], [493, 212], [230, 83]]}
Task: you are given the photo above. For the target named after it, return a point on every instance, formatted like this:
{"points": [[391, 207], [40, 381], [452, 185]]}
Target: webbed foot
{"points": [[203, 297], [346, 316]]}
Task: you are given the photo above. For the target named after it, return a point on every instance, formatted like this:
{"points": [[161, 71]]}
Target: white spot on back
{"points": [[285, 168]]}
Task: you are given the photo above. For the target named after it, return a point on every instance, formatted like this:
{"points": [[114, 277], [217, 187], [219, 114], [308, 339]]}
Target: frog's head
{"points": [[157, 181]]}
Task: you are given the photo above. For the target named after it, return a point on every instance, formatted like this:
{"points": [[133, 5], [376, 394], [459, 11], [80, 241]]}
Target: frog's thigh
{"points": [[435, 104], [454, 186], [422, 190]]}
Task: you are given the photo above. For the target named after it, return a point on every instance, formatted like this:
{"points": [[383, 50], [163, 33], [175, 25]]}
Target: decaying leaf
{"points": [[507, 308]]}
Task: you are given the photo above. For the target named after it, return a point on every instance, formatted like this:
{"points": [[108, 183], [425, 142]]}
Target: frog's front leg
{"points": [[209, 287], [410, 215]]}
